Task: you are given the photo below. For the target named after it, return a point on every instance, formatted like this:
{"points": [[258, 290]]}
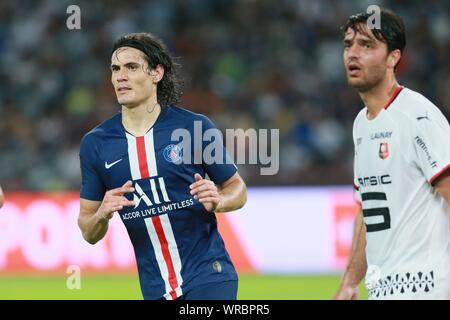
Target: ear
{"points": [[157, 74], [394, 58]]}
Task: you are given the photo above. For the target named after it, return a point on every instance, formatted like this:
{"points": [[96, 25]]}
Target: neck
{"points": [[138, 120], [376, 98]]}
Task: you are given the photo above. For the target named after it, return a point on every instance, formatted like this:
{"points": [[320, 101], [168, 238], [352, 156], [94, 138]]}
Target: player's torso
{"points": [[395, 199], [393, 190], [149, 162], [173, 236]]}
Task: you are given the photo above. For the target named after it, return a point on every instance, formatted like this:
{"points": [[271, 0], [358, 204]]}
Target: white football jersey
{"points": [[398, 157]]}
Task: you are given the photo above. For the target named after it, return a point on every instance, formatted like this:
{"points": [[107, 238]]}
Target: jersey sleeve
{"points": [[92, 186], [432, 145], [216, 160]]}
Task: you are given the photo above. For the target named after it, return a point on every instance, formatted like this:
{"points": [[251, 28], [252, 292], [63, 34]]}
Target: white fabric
{"points": [[398, 156]]}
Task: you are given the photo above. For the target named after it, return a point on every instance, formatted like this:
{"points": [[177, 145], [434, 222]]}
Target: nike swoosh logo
{"points": [[109, 165], [421, 118]]}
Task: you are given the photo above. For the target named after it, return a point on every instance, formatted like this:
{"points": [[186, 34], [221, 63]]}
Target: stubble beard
{"points": [[366, 84]]}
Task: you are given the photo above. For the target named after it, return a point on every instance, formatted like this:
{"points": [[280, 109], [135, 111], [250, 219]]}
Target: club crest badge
{"points": [[172, 153], [383, 152]]}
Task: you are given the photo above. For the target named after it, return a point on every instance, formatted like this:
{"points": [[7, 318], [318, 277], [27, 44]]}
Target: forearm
{"points": [[232, 196], [357, 265], [93, 227], [443, 185], [2, 197]]}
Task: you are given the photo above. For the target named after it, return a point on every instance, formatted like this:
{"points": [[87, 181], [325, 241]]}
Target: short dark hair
{"points": [[392, 28], [155, 52]]}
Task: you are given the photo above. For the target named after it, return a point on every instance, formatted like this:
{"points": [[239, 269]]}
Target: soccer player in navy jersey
{"points": [[131, 166]]}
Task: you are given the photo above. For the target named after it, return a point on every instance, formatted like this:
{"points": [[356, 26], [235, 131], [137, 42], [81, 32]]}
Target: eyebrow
{"points": [[366, 41], [363, 41], [128, 64]]}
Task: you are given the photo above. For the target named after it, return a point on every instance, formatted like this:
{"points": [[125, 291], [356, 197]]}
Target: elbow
{"points": [[243, 196], [89, 239]]}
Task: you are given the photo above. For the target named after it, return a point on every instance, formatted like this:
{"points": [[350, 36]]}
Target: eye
{"points": [[132, 67]]}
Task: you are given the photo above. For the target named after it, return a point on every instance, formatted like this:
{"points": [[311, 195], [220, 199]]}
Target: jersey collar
{"points": [[161, 116], [393, 97]]}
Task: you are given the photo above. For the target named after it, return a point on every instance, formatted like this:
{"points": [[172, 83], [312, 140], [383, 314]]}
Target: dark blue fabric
{"points": [[195, 230], [213, 291]]}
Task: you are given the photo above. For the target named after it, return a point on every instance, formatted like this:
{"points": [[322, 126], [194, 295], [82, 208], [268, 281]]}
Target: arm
{"points": [[95, 215], [2, 197], [443, 186], [228, 196], [357, 265], [92, 225]]}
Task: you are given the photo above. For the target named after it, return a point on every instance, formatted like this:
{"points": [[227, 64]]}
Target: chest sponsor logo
{"points": [[381, 135], [158, 193], [383, 151], [375, 180], [156, 201]]}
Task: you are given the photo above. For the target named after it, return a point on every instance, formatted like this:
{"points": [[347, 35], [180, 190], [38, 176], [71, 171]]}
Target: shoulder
{"points": [[413, 105], [188, 116], [94, 137], [177, 111]]}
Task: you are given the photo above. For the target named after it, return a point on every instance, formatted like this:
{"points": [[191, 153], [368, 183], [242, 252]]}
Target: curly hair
{"points": [[155, 52]]}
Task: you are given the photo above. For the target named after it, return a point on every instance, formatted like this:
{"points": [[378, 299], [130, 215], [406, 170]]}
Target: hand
{"points": [[206, 192], [114, 201], [347, 292]]}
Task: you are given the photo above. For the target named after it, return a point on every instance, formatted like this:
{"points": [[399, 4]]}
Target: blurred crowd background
{"points": [[246, 64]]}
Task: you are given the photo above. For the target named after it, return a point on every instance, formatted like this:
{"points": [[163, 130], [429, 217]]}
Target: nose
{"points": [[353, 52], [121, 75]]}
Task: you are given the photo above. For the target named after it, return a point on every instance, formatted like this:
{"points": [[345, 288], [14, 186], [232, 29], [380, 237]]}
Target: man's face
{"points": [[365, 58], [130, 77]]}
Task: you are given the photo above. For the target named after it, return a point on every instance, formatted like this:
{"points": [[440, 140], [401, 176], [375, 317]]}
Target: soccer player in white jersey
{"points": [[401, 242]]}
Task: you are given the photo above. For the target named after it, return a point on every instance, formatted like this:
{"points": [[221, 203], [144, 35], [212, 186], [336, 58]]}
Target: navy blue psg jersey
{"points": [[176, 241]]}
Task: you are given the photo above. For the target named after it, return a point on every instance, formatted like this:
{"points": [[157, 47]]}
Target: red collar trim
{"points": [[394, 95]]}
